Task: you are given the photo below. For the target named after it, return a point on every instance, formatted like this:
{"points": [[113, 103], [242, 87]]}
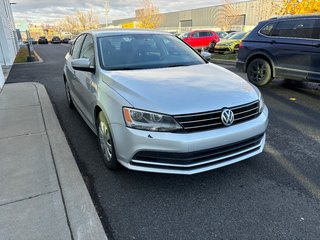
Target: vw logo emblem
{"points": [[227, 117]]}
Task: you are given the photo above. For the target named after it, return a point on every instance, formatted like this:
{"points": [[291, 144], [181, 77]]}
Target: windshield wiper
{"points": [[177, 65]]}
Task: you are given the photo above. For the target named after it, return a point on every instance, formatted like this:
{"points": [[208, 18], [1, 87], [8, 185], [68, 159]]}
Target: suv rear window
{"points": [[302, 28]]}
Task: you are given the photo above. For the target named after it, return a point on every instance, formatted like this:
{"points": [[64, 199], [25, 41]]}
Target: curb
{"points": [[83, 219], [40, 60]]}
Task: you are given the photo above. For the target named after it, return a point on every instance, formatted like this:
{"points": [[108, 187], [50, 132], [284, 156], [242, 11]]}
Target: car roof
{"points": [[292, 17], [118, 31]]}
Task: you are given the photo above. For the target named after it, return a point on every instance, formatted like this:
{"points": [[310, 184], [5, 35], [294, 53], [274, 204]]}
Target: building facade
{"points": [[8, 38], [242, 15]]}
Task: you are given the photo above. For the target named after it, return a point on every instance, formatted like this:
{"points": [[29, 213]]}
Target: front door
{"points": [[314, 74]]}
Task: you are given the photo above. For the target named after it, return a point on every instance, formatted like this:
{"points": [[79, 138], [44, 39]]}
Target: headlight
{"points": [[149, 121], [261, 104]]}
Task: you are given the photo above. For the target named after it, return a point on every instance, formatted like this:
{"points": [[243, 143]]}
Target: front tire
{"points": [[211, 47], [106, 143], [236, 48], [259, 72]]}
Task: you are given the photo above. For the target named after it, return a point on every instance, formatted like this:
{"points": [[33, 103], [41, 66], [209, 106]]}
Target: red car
{"points": [[201, 39]]}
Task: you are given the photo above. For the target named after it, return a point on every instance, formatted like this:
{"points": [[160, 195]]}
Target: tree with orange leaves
{"points": [[285, 7], [148, 16]]}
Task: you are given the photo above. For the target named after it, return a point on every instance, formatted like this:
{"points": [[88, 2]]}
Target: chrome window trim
{"points": [[284, 20]]}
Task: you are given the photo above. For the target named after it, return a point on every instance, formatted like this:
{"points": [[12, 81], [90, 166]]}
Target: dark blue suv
{"points": [[287, 47]]}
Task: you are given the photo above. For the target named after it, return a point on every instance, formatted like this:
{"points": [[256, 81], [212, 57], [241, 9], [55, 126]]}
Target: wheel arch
{"points": [[97, 110], [263, 56]]}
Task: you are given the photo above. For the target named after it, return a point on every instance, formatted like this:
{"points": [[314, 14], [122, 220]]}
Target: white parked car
{"points": [[158, 106]]}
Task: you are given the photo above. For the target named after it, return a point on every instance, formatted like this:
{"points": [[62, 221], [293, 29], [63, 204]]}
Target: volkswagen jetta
{"points": [[156, 105]]}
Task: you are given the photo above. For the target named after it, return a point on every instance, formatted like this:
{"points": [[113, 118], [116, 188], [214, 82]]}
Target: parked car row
{"points": [[209, 40], [200, 39], [286, 47], [44, 40]]}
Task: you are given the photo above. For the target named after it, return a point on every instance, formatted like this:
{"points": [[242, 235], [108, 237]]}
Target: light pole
{"points": [[107, 11]]}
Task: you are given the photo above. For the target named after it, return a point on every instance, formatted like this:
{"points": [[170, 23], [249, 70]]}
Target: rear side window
{"points": [[303, 28], [267, 30], [195, 35], [205, 34], [317, 30]]}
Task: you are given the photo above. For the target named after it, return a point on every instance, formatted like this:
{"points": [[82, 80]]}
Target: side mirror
{"points": [[206, 55], [82, 64]]}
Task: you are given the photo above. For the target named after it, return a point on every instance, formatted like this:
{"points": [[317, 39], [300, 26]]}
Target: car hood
{"points": [[227, 41], [182, 90]]}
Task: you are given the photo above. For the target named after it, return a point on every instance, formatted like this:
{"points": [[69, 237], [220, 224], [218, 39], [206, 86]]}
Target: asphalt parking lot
{"points": [[275, 195]]}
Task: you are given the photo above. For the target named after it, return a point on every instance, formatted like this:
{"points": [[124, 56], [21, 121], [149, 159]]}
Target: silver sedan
{"points": [[156, 105]]}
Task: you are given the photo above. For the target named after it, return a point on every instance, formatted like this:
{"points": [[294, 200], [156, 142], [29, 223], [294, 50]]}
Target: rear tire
{"points": [[259, 72], [106, 143]]}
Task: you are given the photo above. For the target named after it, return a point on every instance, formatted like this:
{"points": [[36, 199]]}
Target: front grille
{"points": [[193, 160], [212, 120]]}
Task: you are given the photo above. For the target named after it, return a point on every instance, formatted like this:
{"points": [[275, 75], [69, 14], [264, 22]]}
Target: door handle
{"points": [[273, 42]]}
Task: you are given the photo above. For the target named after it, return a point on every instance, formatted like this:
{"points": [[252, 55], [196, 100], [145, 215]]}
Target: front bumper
{"points": [[240, 66], [223, 49], [190, 153]]}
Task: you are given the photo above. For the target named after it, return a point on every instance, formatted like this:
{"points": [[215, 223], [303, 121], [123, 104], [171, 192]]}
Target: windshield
{"points": [[238, 36], [184, 35], [222, 34], [144, 51]]}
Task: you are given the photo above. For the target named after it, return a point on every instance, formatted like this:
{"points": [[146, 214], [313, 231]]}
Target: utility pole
{"points": [[107, 9]]}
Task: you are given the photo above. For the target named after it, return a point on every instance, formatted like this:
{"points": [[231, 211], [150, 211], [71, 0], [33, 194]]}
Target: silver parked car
{"points": [[157, 106]]}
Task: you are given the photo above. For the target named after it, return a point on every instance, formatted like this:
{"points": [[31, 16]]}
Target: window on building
{"points": [[302, 28], [186, 23]]}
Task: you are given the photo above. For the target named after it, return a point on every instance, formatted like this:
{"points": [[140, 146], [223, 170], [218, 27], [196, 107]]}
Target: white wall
{"points": [[8, 43], [8, 39], [1, 79]]}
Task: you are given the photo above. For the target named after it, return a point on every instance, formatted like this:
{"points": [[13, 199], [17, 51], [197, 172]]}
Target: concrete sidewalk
{"points": [[42, 193]]}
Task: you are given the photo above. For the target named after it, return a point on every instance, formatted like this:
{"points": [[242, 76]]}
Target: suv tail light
{"points": [[241, 45]]}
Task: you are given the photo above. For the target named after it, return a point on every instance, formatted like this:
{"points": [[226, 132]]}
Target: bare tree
{"points": [[230, 15], [79, 22]]}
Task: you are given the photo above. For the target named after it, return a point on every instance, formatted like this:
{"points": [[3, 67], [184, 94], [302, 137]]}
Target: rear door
{"points": [[74, 54], [85, 84], [195, 40], [205, 38], [293, 47], [314, 74]]}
